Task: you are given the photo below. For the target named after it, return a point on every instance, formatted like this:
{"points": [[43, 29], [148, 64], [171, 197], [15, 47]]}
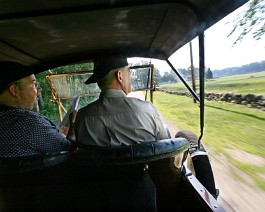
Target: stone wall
{"points": [[249, 100]]}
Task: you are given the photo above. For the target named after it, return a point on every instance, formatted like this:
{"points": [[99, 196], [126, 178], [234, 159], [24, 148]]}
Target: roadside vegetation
{"points": [[252, 83], [243, 84], [228, 126]]}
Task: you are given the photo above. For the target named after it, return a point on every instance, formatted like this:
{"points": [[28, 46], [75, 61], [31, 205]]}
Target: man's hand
{"points": [[71, 133], [72, 117]]}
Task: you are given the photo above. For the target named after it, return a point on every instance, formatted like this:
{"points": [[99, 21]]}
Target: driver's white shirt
{"points": [[115, 119]]}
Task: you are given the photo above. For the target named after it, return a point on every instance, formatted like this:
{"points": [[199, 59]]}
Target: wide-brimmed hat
{"points": [[11, 72], [103, 65]]}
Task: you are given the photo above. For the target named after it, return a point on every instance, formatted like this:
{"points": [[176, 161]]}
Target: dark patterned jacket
{"points": [[24, 133]]}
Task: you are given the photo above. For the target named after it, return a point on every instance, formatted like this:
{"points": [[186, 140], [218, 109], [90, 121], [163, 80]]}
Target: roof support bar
{"points": [[202, 81], [184, 82]]}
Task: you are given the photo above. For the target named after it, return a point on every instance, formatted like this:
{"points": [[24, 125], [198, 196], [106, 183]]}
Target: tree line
{"points": [[170, 76], [249, 68]]}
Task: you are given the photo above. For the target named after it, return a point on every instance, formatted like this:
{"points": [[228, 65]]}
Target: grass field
{"points": [[227, 125], [253, 83]]}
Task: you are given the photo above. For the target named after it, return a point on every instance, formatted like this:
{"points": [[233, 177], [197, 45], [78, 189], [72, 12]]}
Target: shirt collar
{"points": [[112, 93], [6, 108]]}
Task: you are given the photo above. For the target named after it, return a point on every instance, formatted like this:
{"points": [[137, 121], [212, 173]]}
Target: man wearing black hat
{"points": [[115, 119], [24, 132]]}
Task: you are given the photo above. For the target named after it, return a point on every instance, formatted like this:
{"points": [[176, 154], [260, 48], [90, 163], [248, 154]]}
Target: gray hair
{"points": [[107, 80]]}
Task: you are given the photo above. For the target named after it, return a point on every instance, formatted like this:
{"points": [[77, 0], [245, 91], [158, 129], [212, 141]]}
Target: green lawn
{"points": [[227, 125], [253, 83]]}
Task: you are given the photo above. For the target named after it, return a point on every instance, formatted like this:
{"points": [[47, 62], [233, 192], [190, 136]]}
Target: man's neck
{"points": [[7, 102]]}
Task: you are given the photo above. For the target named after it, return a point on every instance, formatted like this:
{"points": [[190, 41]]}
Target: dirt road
{"points": [[237, 191]]}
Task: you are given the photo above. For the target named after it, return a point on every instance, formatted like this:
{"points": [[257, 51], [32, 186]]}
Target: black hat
{"points": [[103, 65], [11, 72]]}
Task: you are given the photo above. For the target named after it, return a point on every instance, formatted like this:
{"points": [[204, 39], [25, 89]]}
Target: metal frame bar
{"points": [[201, 96], [184, 82], [202, 81]]}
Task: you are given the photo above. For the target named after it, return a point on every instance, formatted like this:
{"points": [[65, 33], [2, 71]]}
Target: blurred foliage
{"points": [[209, 74], [49, 108], [250, 21], [169, 77], [141, 75]]}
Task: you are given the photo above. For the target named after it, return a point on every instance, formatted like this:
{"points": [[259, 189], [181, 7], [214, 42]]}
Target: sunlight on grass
{"points": [[226, 126]]}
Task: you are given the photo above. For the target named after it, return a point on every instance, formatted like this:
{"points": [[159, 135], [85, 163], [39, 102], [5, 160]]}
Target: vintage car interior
{"points": [[49, 34]]}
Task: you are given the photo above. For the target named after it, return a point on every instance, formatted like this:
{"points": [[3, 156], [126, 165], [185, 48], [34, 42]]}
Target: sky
{"points": [[219, 50]]}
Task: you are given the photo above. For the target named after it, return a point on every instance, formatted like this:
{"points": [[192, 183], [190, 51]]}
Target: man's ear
{"points": [[14, 90], [119, 76]]}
